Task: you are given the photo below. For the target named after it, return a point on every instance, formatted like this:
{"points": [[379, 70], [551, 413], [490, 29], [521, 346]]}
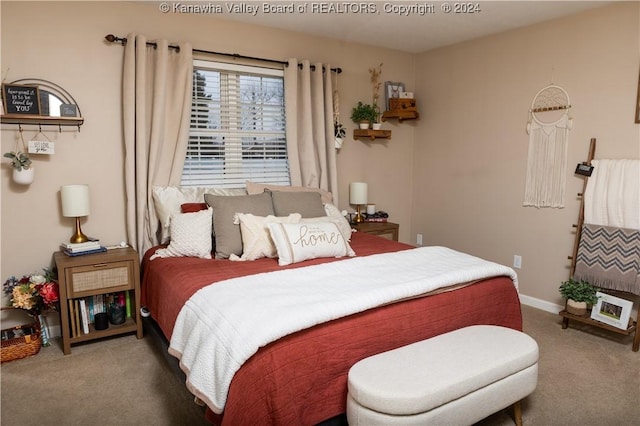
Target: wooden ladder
{"points": [[633, 329]]}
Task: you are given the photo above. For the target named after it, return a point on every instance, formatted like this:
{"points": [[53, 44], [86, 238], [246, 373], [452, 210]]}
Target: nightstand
{"points": [[378, 228], [94, 279]]}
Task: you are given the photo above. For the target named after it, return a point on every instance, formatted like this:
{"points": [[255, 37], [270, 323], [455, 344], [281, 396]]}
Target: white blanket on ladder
{"points": [[612, 196], [224, 324]]}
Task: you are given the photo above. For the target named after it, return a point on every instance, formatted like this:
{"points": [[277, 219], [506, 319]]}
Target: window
{"points": [[237, 127]]}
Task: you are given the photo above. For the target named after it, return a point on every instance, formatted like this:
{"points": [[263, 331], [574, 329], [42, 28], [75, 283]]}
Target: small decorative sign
{"points": [[21, 99], [68, 110], [584, 169], [41, 147]]}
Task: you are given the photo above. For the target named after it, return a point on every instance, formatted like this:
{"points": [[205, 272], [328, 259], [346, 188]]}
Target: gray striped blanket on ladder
{"points": [[609, 257]]}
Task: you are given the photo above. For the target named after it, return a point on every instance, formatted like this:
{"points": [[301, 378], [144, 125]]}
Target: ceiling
{"points": [[383, 23]]}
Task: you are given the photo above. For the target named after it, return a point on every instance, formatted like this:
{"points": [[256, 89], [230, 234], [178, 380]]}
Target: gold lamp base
{"points": [[358, 218], [78, 236]]}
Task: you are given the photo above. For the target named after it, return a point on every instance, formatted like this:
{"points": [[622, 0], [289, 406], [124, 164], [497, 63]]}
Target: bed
{"points": [[267, 298], [301, 378]]}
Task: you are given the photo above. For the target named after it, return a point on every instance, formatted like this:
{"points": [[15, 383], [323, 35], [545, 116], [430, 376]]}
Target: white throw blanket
{"points": [[224, 324], [612, 196]]}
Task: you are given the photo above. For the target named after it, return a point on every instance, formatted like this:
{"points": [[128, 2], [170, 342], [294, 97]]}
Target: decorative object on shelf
{"points": [[364, 115], [392, 90], [358, 197], [548, 129], [21, 99], [612, 310], [578, 295], [51, 105], [375, 74], [23, 171], [75, 203], [34, 293]]}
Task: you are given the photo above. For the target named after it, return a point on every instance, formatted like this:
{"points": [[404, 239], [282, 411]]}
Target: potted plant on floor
{"points": [[364, 115], [578, 294], [22, 169]]}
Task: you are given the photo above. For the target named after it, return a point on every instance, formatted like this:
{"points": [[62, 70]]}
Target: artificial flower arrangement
{"points": [[35, 294]]}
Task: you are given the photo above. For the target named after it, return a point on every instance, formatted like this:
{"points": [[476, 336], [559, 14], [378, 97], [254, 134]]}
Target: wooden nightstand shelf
{"points": [[81, 277], [378, 228]]}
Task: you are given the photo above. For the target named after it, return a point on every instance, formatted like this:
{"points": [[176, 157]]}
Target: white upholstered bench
{"points": [[457, 378]]}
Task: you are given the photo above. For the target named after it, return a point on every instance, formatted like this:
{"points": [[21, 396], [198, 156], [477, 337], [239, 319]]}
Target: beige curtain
{"points": [[156, 96], [309, 111]]}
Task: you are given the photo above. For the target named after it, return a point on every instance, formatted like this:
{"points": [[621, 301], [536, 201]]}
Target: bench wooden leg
{"points": [[517, 413]]}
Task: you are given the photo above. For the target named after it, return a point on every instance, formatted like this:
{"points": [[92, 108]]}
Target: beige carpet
{"points": [[587, 377]]}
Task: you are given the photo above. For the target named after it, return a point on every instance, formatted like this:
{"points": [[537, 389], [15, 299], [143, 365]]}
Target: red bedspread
{"points": [[302, 378]]}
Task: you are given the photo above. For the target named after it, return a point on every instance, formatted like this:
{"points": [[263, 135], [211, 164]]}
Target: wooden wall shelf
{"points": [[400, 114], [41, 120], [371, 134]]}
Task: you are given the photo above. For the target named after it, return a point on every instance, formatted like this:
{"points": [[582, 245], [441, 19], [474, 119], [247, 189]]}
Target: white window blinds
{"points": [[237, 127]]}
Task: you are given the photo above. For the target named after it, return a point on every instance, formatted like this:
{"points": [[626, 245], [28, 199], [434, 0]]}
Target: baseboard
{"points": [[540, 304]]}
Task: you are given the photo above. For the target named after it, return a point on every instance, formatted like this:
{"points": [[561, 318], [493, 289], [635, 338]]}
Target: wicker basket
{"points": [[23, 346]]}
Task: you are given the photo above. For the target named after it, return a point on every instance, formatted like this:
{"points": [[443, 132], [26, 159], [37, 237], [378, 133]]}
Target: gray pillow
{"points": [[227, 234], [308, 204]]}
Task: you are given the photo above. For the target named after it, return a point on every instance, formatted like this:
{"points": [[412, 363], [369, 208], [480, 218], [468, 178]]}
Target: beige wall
{"points": [[471, 145], [455, 175], [69, 49]]}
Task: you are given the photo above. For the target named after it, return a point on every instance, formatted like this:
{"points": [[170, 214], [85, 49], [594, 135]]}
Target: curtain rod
{"points": [[123, 40]]}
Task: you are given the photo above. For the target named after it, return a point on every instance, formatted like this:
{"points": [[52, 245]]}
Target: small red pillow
{"points": [[193, 207]]}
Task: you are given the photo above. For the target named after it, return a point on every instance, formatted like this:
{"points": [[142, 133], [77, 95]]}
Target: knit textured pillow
{"points": [[190, 236]]}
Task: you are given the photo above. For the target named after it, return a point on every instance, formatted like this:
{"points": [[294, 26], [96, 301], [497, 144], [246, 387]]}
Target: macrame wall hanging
{"points": [[548, 128]]}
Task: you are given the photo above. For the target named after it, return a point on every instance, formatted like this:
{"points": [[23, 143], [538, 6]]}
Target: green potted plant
{"points": [[578, 294], [22, 169], [364, 115]]}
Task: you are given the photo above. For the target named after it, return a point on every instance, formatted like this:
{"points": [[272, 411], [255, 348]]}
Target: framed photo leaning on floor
{"points": [[612, 310]]}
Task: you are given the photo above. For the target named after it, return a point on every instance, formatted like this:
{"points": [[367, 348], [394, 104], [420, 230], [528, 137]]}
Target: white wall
{"points": [[471, 146]]}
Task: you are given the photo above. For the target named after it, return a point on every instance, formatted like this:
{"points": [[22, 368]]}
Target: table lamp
{"points": [[358, 196], [75, 203]]}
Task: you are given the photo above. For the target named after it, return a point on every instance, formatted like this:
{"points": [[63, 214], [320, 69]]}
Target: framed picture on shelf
{"points": [[21, 99], [612, 310], [392, 90]]}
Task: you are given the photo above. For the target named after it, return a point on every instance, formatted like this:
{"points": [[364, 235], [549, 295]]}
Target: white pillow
{"points": [[190, 236], [256, 241], [168, 199], [338, 218], [296, 242]]}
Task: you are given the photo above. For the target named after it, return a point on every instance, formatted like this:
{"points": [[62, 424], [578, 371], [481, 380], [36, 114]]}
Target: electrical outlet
{"points": [[517, 261], [419, 239]]}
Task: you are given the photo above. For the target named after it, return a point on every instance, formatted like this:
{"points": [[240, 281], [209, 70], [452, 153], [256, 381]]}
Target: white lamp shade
{"points": [[75, 200], [358, 193]]}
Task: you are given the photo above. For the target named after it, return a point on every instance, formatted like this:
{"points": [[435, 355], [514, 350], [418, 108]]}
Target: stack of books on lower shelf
{"points": [[78, 249], [82, 311]]}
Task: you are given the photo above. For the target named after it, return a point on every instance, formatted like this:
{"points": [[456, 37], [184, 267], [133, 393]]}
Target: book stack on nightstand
{"points": [[78, 249]]}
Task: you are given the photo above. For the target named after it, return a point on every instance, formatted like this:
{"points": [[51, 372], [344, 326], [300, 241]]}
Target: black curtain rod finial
{"points": [[113, 39]]}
